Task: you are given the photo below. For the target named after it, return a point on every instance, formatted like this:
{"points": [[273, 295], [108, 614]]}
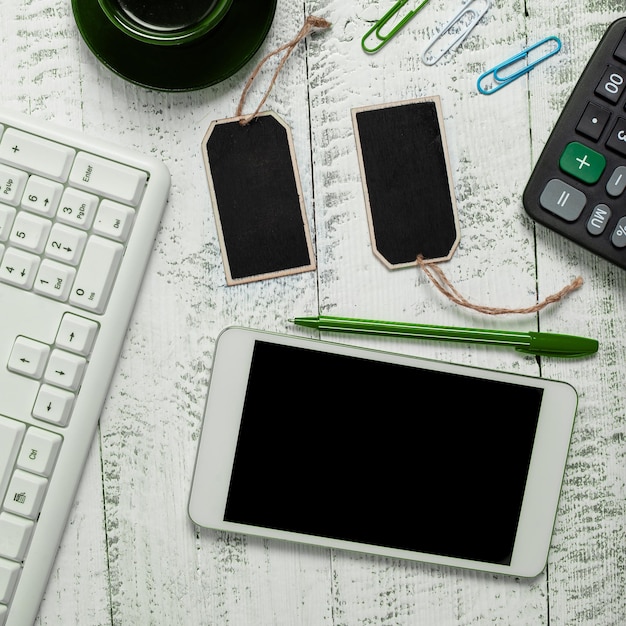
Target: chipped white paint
{"points": [[130, 554]]}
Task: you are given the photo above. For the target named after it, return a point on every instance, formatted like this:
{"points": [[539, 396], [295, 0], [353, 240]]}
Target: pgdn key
{"points": [[96, 274]]}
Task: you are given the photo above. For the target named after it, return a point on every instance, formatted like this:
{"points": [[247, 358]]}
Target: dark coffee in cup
{"points": [[165, 22]]}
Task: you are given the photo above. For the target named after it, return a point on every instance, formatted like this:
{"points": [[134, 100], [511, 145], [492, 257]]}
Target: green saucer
{"points": [[205, 62]]}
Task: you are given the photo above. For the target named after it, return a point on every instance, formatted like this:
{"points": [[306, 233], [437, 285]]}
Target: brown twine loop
{"points": [[439, 279], [311, 23]]}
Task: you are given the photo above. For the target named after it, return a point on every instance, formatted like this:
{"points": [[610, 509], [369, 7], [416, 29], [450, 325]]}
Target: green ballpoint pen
{"points": [[539, 344]]}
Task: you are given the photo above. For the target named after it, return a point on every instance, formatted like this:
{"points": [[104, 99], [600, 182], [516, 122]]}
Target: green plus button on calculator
{"points": [[578, 185], [582, 162]]}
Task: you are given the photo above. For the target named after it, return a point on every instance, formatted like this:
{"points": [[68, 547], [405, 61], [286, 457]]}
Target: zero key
{"points": [[612, 84]]}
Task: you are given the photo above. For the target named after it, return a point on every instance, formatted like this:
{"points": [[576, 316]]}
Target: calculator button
{"points": [[598, 220], [612, 84], [593, 121], [563, 200], [582, 162], [617, 138], [620, 51], [618, 238], [617, 183]]}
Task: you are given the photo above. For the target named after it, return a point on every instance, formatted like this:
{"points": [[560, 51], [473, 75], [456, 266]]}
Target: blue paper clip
{"points": [[457, 29], [498, 73], [375, 30]]}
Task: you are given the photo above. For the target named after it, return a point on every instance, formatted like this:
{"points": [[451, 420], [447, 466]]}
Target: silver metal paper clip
{"points": [[452, 35], [500, 76], [375, 31]]}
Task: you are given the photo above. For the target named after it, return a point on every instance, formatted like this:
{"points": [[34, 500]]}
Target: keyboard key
{"points": [[108, 178], [7, 215], [96, 274], [37, 155], [42, 195], [53, 405], [12, 183], [65, 370], [25, 494], [114, 220], [30, 232], [66, 244], [77, 208], [9, 573], [15, 534], [54, 280], [11, 434], [76, 334], [39, 451], [28, 357], [19, 268]]}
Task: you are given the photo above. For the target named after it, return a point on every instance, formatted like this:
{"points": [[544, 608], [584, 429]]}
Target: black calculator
{"points": [[578, 186]]}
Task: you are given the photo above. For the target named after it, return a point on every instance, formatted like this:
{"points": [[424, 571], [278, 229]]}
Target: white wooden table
{"points": [[130, 554]]}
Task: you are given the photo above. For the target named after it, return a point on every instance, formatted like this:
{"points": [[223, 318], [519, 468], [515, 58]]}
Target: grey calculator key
{"points": [[619, 234], [563, 200], [598, 219], [617, 183]]}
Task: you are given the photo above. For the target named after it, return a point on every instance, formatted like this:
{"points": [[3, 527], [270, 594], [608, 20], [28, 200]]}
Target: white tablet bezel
{"points": [[223, 411]]}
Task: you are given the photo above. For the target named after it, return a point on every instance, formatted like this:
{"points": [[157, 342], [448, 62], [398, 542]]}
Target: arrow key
{"points": [[28, 357], [53, 405], [65, 369]]}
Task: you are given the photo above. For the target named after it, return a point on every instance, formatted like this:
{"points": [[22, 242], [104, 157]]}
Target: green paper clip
{"points": [[384, 38], [498, 73]]}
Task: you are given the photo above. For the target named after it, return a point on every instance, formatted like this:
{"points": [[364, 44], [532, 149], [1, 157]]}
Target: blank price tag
{"points": [[257, 199], [409, 192]]}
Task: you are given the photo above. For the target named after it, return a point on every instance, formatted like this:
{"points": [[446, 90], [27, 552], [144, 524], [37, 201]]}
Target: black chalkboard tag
{"points": [[257, 199], [409, 193]]}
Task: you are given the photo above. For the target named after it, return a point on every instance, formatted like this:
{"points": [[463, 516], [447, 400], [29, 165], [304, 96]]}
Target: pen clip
{"points": [[496, 72], [384, 38], [457, 29]]}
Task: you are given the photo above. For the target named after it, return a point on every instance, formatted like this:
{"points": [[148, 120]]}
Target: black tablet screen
{"points": [[376, 453]]}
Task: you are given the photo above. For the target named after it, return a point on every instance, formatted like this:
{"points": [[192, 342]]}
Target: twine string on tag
{"points": [[441, 282], [311, 23]]}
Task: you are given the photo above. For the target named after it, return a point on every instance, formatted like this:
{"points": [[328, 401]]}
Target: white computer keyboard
{"points": [[78, 219]]}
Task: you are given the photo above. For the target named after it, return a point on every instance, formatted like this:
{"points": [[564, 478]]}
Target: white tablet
{"points": [[392, 455]]}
